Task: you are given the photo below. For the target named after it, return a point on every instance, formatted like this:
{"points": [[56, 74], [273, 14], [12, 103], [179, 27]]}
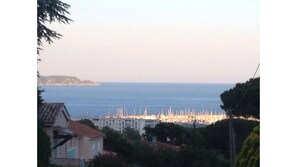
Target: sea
{"points": [[137, 98]]}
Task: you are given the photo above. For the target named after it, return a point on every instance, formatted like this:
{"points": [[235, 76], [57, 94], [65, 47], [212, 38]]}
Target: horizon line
{"points": [[160, 82]]}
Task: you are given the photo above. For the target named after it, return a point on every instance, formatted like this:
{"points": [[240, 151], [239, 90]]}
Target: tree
{"points": [[88, 123], [217, 135], [40, 100], [193, 156], [43, 148], [243, 99], [249, 156], [131, 134], [49, 11], [166, 132], [114, 141]]}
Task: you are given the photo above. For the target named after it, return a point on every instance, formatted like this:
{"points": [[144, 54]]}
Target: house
{"points": [[54, 118], [87, 143], [71, 142]]}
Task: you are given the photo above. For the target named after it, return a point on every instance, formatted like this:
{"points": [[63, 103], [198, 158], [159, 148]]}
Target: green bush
{"points": [[249, 156]]}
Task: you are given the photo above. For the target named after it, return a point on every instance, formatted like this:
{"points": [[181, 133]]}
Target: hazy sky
{"points": [[209, 41]]}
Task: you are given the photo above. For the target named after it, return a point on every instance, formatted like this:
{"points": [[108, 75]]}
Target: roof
{"points": [[48, 112], [84, 130]]}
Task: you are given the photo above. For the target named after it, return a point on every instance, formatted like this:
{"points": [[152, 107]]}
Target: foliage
{"points": [[49, 11], [217, 135], [167, 132], [207, 146], [40, 100], [114, 141], [193, 156], [131, 134], [212, 137], [250, 104], [88, 123], [43, 148], [107, 161], [249, 156], [145, 156]]}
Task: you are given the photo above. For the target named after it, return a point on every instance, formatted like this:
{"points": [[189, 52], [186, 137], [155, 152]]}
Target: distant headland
{"points": [[64, 81]]}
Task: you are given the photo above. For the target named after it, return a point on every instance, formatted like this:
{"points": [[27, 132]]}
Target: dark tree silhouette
{"points": [[131, 134], [243, 99], [43, 148], [49, 11]]}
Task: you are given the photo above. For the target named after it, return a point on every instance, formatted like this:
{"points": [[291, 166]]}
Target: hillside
{"points": [[63, 80]]}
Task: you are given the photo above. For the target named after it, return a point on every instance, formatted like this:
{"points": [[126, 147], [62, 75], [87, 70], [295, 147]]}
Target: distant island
{"points": [[64, 81]]}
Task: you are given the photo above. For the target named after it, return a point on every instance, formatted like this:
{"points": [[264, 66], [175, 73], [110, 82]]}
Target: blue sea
{"points": [[136, 98]]}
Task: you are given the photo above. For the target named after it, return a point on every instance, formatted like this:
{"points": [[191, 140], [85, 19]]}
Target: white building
{"points": [[119, 124]]}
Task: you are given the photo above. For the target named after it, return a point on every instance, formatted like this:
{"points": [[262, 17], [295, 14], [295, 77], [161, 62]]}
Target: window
{"points": [[93, 146], [98, 146], [94, 149]]}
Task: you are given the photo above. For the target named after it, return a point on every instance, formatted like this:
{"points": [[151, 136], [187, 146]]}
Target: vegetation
{"points": [[88, 123], [249, 106], [205, 147], [216, 136], [107, 161], [114, 141], [43, 148], [249, 156], [48, 11], [131, 134], [167, 132], [40, 100]]}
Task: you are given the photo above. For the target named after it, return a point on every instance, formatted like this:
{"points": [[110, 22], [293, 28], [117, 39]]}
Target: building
{"points": [[87, 143], [72, 143], [54, 118], [119, 124]]}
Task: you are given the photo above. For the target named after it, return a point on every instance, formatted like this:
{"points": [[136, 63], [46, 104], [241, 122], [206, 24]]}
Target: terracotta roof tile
{"points": [[84, 130], [48, 112]]}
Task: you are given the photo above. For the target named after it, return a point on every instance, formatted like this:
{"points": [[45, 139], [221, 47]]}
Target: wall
{"points": [[73, 162], [88, 148], [84, 148], [73, 148], [96, 146], [61, 120], [61, 151]]}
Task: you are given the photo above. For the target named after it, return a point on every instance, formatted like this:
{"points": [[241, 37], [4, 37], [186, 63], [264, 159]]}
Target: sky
{"points": [[189, 41]]}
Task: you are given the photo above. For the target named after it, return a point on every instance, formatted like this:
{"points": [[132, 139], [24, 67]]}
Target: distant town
{"points": [[121, 120], [137, 122]]}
